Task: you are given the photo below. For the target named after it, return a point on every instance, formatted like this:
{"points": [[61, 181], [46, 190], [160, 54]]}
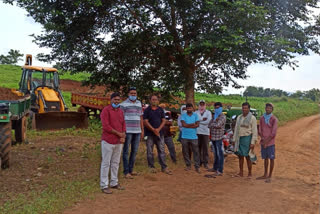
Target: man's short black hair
{"points": [[115, 94], [217, 104], [246, 104], [132, 89], [153, 95], [189, 105], [269, 105]]}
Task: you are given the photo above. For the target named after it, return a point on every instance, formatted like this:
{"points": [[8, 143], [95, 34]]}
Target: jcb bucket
{"points": [[59, 120]]}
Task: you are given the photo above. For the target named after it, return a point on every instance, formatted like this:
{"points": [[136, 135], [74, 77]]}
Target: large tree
{"points": [[172, 45]]}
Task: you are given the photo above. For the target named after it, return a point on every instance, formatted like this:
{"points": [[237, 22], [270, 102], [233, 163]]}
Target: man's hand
{"points": [[142, 135], [122, 135], [122, 140], [252, 146], [156, 132]]}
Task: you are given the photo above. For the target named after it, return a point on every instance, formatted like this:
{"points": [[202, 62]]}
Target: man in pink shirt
{"points": [[113, 137], [267, 131]]}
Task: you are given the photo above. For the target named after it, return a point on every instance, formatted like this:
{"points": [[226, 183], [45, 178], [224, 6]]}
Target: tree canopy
{"points": [[172, 45], [11, 58], [252, 91]]}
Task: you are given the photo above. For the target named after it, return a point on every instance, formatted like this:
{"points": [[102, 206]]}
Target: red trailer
{"points": [[92, 103]]}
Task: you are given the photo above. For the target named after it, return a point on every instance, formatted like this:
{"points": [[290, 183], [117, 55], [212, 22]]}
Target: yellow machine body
{"points": [[50, 110]]}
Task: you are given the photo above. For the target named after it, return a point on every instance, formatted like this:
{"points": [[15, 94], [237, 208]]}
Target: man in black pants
{"points": [[203, 133], [153, 118], [168, 140]]}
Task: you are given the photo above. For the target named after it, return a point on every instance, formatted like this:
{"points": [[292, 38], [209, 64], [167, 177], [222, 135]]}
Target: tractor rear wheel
{"points": [[5, 144], [21, 130]]}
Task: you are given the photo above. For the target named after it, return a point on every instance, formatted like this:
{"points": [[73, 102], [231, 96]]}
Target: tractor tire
{"points": [[5, 144], [21, 130]]}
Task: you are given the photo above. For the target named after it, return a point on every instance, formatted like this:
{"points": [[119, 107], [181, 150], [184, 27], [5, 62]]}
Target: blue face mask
{"points": [[132, 98], [115, 105]]}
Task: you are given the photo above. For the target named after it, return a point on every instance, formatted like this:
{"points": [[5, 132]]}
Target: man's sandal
{"points": [[106, 191]]}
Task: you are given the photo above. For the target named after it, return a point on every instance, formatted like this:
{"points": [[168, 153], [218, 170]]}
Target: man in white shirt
{"points": [[203, 133]]}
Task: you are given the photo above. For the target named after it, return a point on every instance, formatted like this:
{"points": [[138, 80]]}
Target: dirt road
{"points": [[294, 188]]}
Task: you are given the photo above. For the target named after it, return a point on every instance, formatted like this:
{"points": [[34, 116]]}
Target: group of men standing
{"points": [[125, 124]]}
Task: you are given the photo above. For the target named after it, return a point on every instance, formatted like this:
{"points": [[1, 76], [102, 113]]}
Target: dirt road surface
{"points": [[294, 188]]}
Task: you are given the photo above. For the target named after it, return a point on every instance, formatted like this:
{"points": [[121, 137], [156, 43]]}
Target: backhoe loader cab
{"points": [[43, 86], [47, 103]]}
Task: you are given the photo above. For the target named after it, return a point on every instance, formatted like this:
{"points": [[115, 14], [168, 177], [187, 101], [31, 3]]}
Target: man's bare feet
{"points": [[262, 177], [238, 175], [249, 175]]}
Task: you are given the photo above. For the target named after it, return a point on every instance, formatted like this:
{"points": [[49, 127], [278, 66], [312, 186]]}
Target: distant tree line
{"points": [[13, 57], [252, 91]]}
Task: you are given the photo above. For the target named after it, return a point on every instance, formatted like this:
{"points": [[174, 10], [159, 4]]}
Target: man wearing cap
{"points": [[113, 137], [203, 133], [267, 131], [132, 110]]}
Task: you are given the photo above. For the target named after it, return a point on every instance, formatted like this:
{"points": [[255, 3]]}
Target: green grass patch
{"points": [[285, 108], [10, 76], [59, 195]]}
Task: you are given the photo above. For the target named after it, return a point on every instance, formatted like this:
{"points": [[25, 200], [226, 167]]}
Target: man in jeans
{"points": [[113, 137], [190, 123], [132, 110], [217, 125], [154, 120], [203, 133]]}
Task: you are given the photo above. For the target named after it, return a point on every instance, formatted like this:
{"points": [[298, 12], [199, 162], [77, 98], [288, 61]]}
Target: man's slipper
{"points": [[268, 180], [261, 178], [128, 176], [210, 176]]}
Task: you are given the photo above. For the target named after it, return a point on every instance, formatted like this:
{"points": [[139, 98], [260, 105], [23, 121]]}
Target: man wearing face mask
{"points": [[217, 125], [203, 133], [154, 120], [132, 109], [113, 137]]}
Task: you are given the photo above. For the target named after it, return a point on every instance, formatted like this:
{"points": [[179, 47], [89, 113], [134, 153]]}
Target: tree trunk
{"points": [[189, 86]]}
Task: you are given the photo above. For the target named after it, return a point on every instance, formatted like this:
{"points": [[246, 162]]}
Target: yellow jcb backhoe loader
{"points": [[49, 110]]}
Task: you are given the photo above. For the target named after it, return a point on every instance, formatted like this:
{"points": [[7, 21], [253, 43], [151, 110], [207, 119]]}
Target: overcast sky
{"points": [[16, 27]]}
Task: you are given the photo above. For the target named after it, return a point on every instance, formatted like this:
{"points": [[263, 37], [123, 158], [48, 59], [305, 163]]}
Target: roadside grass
{"points": [[60, 193], [285, 109]]}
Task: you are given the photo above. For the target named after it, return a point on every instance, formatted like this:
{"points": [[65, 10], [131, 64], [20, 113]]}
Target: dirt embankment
{"points": [[76, 86], [294, 188], [7, 94]]}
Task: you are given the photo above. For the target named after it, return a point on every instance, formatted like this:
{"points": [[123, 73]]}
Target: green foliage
{"points": [[172, 45], [252, 91], [11, 58]]}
